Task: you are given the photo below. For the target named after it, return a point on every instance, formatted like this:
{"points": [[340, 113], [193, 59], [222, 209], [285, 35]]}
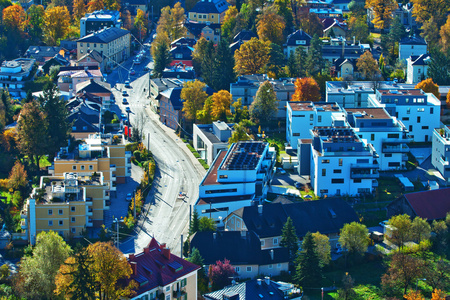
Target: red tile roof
{"points": [[430, 204], [157, 267]]}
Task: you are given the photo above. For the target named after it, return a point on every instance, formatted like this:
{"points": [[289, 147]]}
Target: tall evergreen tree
{"points": [[314, 61], [439, 67], [223, 67], [277, 60], [265, 104], [162, 58], [289, 238], [207, 63], [195, 224], [308, 271]]}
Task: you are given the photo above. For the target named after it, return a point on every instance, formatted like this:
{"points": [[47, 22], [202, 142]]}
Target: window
{"points": [[319, 119], [168, 297], [356, 180], [87, 44], [372, 137], [324, 191], [237, 269], [50, 212], [91, 167], [101, 45], [337, 180], [167, 288], [275, 241], [425, 127], [223, 176], [95, 45], [324, 172], [61, 222], [249, 269], [72, 208], [431, 110], [418, 119], [81, 51], [263, 243], [212, 16], [60, 212], [73, 220], [238, 224], [421, 109], [81, 44], [408, 110], [311, 117], [337, 171], [296, 134], [178, 55], [394, 164], [405, 119], [74, 167], [278, 265], [362, 161], [81, 167], [340, 162], [393, 135], [388, 155], [270, 266], [73, 230], [183, 282], [325, 161]]}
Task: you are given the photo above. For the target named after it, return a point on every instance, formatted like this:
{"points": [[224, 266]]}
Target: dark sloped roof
{"points": [[154, 269], [296, 36], [210, 7], [184, 50], [39, 52], [244, 35], [414, 40], [173, 94], [104, 36], [94, 86], [195, 28], [420, 60], [249, 290], [430, 205], [236, 246]]}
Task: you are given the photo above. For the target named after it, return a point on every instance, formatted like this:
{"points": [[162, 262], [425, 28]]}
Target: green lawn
{"points": [[363, 273]]}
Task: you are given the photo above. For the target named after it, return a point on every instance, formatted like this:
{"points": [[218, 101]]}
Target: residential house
{"points": [[417, 68], [68, 204], [243, 250], [345, 68], [318, 3], [196, 30], [417, 110], [70, 77], [181, 54], [98, 89], [210, 139], [134, 5], [158, 85], [326, 216], [69, 45], [208, 11], [43, 53], [298, 38], [405, 14], [14, 74], [246, 87], [344, 51], [162, 275], [340, 162], [236, 178], [98, 153], [170, 106], [440, 155], [113, 44], [179, 71], [333, 28], [342, 5], [98, 20], [184, 41], [411, 46], [386, 134], [326, 12], [84, 115], [244, 35], [263, 289], [57, 60], [431, 205], [303, 116], [91, 58]]}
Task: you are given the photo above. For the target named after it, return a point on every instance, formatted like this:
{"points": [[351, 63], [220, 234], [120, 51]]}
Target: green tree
{"points": [[195, 224], [229, 22], [265, 104], [353, 238], [323, 248], [207, 63], [206, 224], [358, 27], [240, 111], [194, 98], [368, 66], [251, 57], [199, 52], [438, 67], [172, 21], [420, 229], [308, 271], [196, 258], [391, 40], [276, 62], [36, 278], [204, 116], [161, 56], [7, 108], [223, 67], [284, 9], [314, 61], [289, 239], [347, 292], [239, 133], [401, 231], [403, 272], [382, 11], [311, 24], [35, 16]]}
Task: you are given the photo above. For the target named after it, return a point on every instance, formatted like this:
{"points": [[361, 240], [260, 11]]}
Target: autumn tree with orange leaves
{"points": [[270, 27], [251, 57], [306, 89], [221, 105], [79, 10], [94, 5], [15, 18], [428, 86], [56, 24]]}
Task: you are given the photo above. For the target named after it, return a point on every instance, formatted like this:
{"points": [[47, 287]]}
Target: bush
{"points": [[204, 164], [137, 155]]}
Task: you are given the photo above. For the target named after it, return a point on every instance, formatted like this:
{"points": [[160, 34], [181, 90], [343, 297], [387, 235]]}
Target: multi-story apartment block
{"points": [[99, 153], [440, 155], [301, 117], [237, 177], [418, 111], [14, 74], [247, 86], [210, 139], [112, 43], [386, 134], [208, 11], [67, 204], [340, 162], [98, 20], [411, 46], [417, 68]]}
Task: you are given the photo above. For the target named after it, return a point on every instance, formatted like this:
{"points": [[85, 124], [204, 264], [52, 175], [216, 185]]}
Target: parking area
{"points": [[289, 179]]}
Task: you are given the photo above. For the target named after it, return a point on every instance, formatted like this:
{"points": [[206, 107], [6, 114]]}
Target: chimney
{"points": [[134, 267], [166, 253], [260, 209], [162, 246], [131, 256], [146, 250], [271, 254], [267, 280], [259, 281]]}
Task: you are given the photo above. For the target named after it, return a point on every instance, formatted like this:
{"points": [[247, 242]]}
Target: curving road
{"points": [[166, 216]]}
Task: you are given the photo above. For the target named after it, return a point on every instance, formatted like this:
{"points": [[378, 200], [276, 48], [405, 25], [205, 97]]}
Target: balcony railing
{"points": [[364, 175], [395, 149], [444, 162]]}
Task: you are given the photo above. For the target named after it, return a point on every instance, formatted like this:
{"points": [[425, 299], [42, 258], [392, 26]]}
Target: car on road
{"points": [[298, 185], [129, 197], [124, 101], [123, 116], [128, 109], [127, 84], [132, 72], [281, 171], [124, 93]]}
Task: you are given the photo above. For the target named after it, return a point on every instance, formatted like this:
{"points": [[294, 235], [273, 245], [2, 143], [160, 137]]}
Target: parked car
{"points": [[132, 72], [124, 101], [127, 84], [298, 185], [128, 109], [281, 171], [129, 197], [125, 93]]}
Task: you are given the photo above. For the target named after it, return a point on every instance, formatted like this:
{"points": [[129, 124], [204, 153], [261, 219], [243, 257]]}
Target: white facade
{"points": [[303, 116], [411, 47], [210, 139], [417, 69], [418, 111], [440, 156]]}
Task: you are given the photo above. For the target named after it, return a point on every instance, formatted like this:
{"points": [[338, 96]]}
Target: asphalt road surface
{"points": [[167, 216]]}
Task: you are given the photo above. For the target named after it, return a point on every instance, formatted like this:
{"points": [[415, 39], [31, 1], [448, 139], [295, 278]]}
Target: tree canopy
{"points": [[251, 57], [265, 104]]}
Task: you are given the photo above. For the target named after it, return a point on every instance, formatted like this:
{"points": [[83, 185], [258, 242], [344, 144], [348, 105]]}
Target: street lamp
{"points": [[117, 221]]}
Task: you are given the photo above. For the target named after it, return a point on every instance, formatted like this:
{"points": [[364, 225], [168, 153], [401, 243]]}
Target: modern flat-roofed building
{"points": [[210, 139], [237, 177], [340, 162], [67, 204], [417, 110], [386, 134], [302, 116], [440, 156], [14, 74], [98, 20]]}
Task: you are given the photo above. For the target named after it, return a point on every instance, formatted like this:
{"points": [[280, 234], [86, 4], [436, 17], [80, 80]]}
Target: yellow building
{"points": [[208, 11], [66, 204]]}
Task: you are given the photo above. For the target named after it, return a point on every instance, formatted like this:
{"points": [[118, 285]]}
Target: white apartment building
{"points": [[417, 68], [386, 134], [440, 155], [411, 46], [418, 111], [237, 177], [210, 139], [301, 117], [340, 162]]}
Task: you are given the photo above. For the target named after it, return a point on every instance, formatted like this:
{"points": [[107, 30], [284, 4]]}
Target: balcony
{"points": [[179, 294], [23, 224], [364, 166], [443, 162], [89, 200], [89, 223], [112, 168], [395, 149], [364, 171], [113, 177], [107, 204], [402, 140]]}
